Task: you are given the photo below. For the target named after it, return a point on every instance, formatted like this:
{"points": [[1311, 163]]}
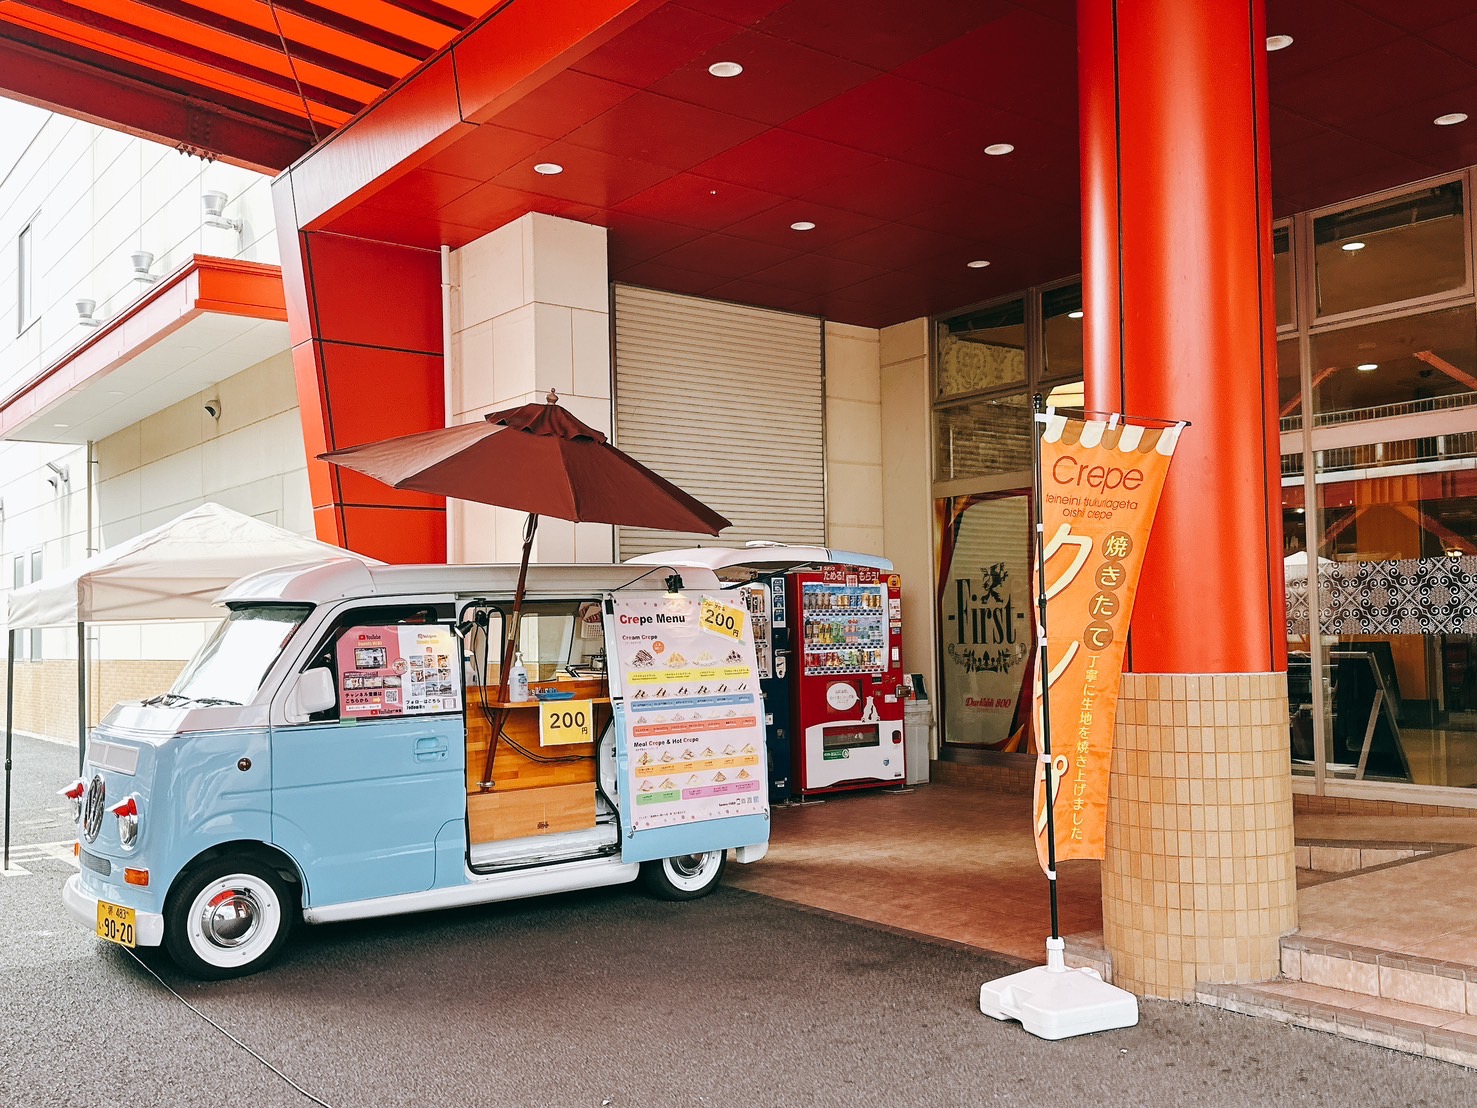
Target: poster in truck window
{"points": [[696, 732], [400, 670]]}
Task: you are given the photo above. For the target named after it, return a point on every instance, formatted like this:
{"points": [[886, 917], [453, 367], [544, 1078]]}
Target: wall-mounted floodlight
{"points": [[142, 261], [85, 308], [214, 203]]}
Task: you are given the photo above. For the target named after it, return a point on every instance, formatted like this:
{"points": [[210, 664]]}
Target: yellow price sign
{"points": [[721, 619], [566, 722]]}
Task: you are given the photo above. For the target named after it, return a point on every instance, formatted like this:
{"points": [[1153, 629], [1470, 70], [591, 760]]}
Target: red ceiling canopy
{"points": [[869, 121]]}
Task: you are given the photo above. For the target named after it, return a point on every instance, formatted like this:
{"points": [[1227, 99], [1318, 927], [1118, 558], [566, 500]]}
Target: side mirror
{"points": [[314, 692]]}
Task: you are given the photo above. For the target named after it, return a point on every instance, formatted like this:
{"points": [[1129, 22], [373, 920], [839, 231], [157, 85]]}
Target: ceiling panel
{"points": [[795, 78], [869, 121]]}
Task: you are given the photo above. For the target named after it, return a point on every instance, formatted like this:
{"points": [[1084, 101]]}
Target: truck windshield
{"points": [[232, 664]]}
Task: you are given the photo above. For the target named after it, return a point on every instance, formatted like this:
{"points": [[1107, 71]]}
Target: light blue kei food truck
{"points": [[335, 751]]}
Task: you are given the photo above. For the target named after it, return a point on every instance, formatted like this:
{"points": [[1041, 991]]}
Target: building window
{"points": [[25, 281], [1380, 525], [1407, 247], [26, 568], [1282, 276]]}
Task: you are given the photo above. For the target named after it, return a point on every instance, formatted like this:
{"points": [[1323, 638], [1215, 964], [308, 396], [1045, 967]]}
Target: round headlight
{"points": [[127, 814]]}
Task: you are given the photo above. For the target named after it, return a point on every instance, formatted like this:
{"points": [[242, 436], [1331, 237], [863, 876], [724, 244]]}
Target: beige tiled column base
{"points": [[1199, 881]]}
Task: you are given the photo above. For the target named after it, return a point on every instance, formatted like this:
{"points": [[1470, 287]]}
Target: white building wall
{"points": [[91, 197], [250, 460]]}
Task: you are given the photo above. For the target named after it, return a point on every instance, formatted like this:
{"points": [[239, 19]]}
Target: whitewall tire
{"points": [[685, 877], [230, 917]]}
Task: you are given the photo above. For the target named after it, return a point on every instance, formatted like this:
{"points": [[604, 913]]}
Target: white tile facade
{"points": [[530, 313]]}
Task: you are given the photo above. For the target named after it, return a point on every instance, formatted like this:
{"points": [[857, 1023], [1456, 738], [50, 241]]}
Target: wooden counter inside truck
{"points": [[530, 797]]}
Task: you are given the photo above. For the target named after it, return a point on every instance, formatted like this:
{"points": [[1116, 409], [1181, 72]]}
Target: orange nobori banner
{"points": [[1099, 486]]}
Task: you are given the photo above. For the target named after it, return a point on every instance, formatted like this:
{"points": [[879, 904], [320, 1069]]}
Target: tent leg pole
{"points": [[81, 696], [9, 733]]}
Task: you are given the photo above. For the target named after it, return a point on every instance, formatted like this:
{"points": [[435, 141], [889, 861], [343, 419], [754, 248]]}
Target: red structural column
{"points": [[1177, 287], [364, 319]]}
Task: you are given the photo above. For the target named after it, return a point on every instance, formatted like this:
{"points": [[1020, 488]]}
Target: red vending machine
{"points": [[848, 716]]}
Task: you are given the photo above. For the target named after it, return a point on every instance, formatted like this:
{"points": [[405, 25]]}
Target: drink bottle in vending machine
{"points": [[846, 645]]}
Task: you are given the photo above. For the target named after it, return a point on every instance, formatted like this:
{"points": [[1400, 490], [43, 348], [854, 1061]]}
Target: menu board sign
{"points": [[401, 670], [695, 742]]}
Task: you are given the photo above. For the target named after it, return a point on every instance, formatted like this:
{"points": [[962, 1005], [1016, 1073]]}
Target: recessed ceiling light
{"points": [[1278, 42], [59, 425], [1075, 315], [978, 263], [1352, 247], [802, 225], [998, 148], [548, 169], [1366, 367], [725, 69], [1451, 118]]}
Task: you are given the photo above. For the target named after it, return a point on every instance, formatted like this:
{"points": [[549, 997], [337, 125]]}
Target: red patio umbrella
{"points": [[540, 459]]}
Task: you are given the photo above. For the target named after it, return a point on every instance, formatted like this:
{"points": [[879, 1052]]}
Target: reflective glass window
{"points": [[1282, 276], [1061, 316], [1391, 250], [981, 438], [1396, 565], [1289, 385], [1417, 363], [982, 350]]}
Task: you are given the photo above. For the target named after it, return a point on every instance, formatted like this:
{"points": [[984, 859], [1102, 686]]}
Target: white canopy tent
{"points": [[173, 572]]}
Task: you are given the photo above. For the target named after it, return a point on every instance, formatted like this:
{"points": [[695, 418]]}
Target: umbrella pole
{"points": [[9, 733], [510, 651]]}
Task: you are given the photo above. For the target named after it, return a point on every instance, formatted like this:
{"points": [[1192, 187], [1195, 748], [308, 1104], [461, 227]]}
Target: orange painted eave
{"points": [[202, 284]]}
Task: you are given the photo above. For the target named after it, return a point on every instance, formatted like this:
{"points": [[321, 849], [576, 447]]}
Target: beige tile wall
{"points": [[907, 491], [853, 439], [530, 312], [46, 691], [1198, 881]]}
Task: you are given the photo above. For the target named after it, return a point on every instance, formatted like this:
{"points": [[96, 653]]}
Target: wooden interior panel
{"points": [[512, 771], [520, 813]]}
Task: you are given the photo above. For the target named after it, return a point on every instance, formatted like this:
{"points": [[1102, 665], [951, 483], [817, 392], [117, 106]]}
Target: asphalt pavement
{"points": [[606, 999]]}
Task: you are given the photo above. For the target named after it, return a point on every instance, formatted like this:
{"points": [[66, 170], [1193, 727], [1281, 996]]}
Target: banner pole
{"points": [[1042, 663]]}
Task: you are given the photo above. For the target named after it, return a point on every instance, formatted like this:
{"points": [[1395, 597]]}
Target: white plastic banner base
{"points": [[1054, 1002]]}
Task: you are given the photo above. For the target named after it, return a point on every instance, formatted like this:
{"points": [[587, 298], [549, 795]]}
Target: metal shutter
{"points": [[725, 401]]}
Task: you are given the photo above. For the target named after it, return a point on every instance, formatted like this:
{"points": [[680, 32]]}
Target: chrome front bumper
{"points": [[82, 907]]}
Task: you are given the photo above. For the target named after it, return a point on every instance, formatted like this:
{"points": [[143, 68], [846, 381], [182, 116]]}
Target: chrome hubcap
{"points": [[231, 918], [688, 865]]}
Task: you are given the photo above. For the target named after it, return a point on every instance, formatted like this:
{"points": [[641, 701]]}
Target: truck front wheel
{"points": [[685, 877], [230, 917]]}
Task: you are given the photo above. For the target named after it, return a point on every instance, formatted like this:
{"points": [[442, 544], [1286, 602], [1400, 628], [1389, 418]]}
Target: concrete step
{"points": [[1396, 1025], [1384, 974]]}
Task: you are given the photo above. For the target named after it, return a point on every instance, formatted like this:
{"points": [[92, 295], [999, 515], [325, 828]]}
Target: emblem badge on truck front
{"points": [[92, 815]]}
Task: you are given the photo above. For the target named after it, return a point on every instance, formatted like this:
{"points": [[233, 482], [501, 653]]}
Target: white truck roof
{"points": [[341, 578], [757, 555]]}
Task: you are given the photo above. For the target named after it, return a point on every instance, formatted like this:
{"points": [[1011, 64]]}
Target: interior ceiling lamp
{"points": [[214, 203], [85, 308], [142, 261]]}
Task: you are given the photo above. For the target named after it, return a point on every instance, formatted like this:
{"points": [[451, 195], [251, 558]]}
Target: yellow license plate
{"points": [[115, 923]]}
